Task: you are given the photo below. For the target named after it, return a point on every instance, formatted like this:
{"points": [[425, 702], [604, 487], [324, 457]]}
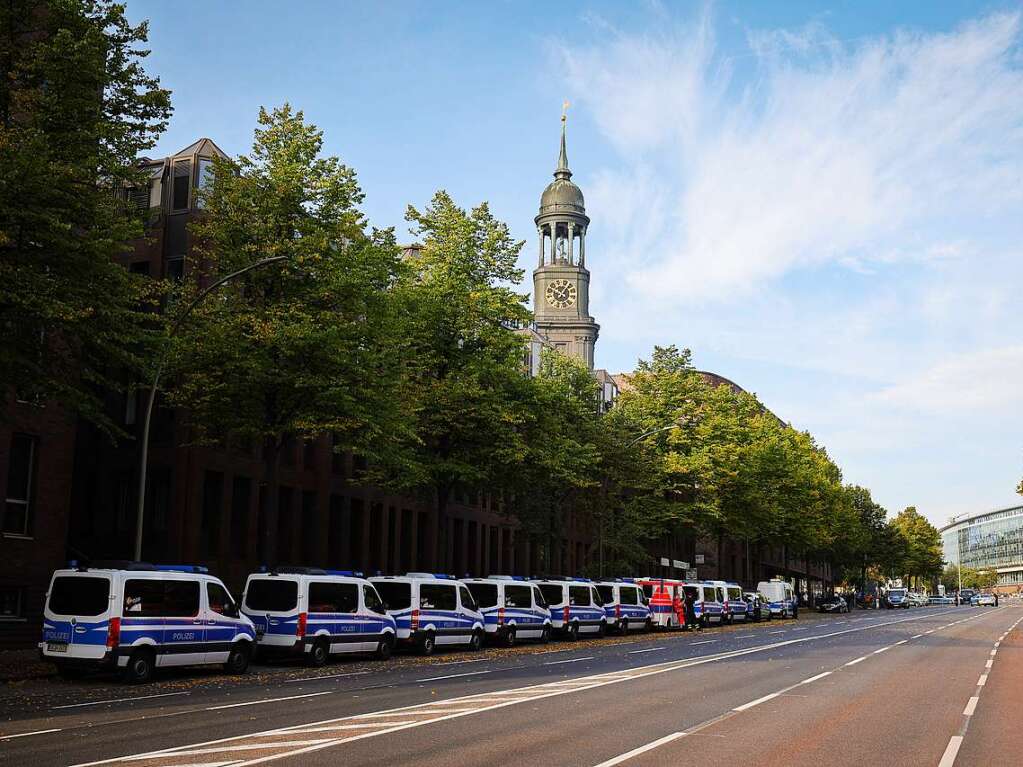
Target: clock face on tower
{"points": [[560, 294]]}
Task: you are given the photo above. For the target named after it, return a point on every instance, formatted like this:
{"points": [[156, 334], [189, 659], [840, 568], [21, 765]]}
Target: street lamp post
{"points": [[144, 453]]}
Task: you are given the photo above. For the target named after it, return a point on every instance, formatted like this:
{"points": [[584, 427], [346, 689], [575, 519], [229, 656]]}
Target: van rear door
{"points": [[77, 615]]}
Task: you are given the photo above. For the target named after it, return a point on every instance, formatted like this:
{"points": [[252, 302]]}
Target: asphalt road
{"points": [[927, 686]]}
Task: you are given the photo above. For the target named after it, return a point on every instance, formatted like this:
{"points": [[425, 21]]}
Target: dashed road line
{"points": [[568, 660], [26, 734], [267, 700], [971, 706], [648, 649], [457, 676], [951, 751], [117, 700]]}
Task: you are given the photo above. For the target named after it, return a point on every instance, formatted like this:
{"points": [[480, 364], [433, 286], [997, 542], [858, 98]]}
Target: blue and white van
{"points": [[576, 606], [780, 597], [431, 610], [708, 601], [513, 609], [625, 605], [314, 613], [136, 617], [734, 605]]}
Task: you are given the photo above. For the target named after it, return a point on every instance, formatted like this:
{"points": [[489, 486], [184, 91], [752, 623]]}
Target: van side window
{"points": [[517, 596], [333, 597], [578, 595], [373, 601], [180, 599], [692, 592], [437, 597], [218, 598], [467, 600], [538, 597], [648, 591], [627, 595], [143, 597], [595, 596]]}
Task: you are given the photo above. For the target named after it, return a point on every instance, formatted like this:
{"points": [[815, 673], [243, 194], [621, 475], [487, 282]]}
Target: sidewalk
{"points": [[19, 665]]}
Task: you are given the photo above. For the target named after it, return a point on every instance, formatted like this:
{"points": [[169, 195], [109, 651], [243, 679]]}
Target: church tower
{"points": [[561, 282]]}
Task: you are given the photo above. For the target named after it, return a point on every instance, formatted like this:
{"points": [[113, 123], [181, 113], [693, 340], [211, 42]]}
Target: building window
{"points": [[176, 268], [182, 183], [209, 524], [21, 469], [205, 178], [12, 602], [140, 268]]}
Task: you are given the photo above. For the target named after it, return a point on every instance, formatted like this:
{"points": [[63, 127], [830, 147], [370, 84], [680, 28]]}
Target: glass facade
{"points": [[988, 541]]}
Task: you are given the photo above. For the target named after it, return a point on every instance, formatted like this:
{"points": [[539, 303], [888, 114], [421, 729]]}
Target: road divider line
{"points": [[568, 660], [989, 663], [757, 702], [648, 649], [982, 681], [267, 700], [971, 706], [815, 678], [455, 676], [117, 700], [858, 660], [26, 734], [327, 676], [951, 750], [705, 641], [642, 749]]}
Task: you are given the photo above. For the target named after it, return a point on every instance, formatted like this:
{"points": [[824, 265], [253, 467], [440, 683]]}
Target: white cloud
{"points": [[826, 153]]}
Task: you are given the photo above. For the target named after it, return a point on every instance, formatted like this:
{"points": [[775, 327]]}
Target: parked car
{"points": [[832, 604], [512, 608], [780, 597], [897, 598], [966, 596], [940, 600], [758, 609], [984, 600], [916, 599]]}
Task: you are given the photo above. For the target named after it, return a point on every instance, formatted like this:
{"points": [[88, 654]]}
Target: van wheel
{"points": [[545, 635], [238, 660], [140, 667], [476, 641], [385, 648], [648, 626], [623, 627], [573, 632], [602, 630], [509, 637], [319, 654], [427, 644]]}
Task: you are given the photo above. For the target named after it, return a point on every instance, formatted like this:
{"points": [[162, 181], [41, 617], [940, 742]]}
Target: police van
{"points": [[708, 601], [315, 613], [576, 606], [625, 605], [780, 597], [135, 617], [734, 605], [512, 608], [431, 610]]}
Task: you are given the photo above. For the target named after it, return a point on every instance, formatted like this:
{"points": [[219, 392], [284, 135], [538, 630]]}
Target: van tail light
{"points": [[565, 614], [500, 616], [300, 628], [114, 633], [618, 611], [415, 620]]}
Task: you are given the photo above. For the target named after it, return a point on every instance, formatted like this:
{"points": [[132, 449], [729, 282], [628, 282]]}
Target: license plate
{"points": [[56, 646]]}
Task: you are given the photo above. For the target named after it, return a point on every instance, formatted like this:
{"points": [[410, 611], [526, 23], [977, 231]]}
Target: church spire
{"points": [[562, 170]]}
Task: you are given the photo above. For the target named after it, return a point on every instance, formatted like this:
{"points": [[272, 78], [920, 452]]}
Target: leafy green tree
{"points": [[923, 559], [76, 110], [464, 388], [303, 347], [972, 579]]}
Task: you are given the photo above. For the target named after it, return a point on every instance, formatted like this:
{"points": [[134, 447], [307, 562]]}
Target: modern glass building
{"points": [[991, 540]]}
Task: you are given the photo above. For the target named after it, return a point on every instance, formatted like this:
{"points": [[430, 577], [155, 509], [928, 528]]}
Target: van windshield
{"points": [[897, 592], [79, 595], [275, 595], [485, 594], [397, 595], [607, 593]]}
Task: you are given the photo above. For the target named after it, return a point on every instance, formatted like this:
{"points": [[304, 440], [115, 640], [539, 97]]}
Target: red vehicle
{"points": [[667, 601]]}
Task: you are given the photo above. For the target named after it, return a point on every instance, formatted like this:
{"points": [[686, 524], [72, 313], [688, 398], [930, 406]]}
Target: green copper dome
{"points": [[561, 195]]}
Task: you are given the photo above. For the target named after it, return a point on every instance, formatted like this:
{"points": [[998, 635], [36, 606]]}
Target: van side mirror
{"points": [[231, 610]]}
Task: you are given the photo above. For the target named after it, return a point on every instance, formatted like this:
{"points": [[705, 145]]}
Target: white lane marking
{"points": [[569, 660], [881, 650], [453, 676], [775, 632], [455, 662], [858, 660], [542, 691], [998, 643], [801, 629], [916, 636], [971, 706], [118, 700], [250, 747], [994, 653], [757, 702], [900, 642], [989, 663], [642, 749], [649, 649], [949, 757], [705, 641], [26, 734], [815, 678], [329, 676], [268, 700], [982, 681]]}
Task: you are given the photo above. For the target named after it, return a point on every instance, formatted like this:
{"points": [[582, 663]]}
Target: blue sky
{"points": [[822, 201]]}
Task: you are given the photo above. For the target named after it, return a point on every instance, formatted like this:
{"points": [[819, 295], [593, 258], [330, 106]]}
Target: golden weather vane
{"points": [[564, 109]]}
